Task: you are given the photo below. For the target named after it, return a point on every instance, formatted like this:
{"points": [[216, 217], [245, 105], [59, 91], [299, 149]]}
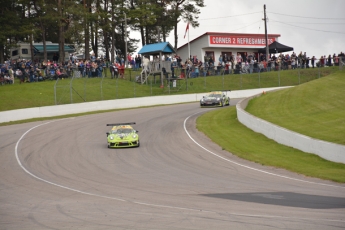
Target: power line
{"points": [[246, 26], [313, 23], [308, 17], [312, 29], [230, 16]]}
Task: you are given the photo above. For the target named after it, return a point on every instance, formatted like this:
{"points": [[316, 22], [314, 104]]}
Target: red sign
{"points": [[239, 41]]}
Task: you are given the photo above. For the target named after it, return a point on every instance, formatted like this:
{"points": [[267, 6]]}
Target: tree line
{"points": [[93, 24]]}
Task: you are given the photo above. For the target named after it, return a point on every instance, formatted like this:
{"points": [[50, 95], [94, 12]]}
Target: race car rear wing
{"points": [[128, 123]]}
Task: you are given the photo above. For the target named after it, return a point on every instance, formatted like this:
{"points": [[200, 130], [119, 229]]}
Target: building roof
{"points": [[156, 48], [229, 34], [52, 48]]}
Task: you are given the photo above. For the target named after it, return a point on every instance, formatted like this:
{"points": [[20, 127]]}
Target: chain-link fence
{"points": [[83, 87]]}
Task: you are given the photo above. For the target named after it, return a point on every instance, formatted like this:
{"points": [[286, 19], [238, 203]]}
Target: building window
{"points": [[243, 55], [209, 57], [14, 53], [226, 56], [25, 51], [209, 54]]}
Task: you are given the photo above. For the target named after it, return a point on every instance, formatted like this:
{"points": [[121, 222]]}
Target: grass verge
{"points": [[224, 129]]}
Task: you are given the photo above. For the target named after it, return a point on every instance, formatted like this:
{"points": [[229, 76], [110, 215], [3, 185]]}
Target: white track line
{"points": [[248, 167], [151, 204]]}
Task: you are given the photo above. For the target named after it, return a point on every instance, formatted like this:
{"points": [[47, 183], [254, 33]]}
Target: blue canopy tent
{"points": [[157, 49]]}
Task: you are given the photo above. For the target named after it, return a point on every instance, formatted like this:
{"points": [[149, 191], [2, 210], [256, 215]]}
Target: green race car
{"points": [[215, 98], [122, 135]]}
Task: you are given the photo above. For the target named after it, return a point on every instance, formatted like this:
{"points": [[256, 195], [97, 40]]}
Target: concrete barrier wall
{"points": [[324, 149], [58, 110]]}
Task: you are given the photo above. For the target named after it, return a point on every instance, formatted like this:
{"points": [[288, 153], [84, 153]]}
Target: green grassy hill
{"points": [[316, 109]]}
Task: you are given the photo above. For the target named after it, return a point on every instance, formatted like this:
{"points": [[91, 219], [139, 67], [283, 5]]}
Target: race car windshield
{"points": [[214, 95], [122, 131]]}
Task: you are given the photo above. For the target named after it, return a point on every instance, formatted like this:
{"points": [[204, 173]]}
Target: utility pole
{"points": [[266, 36]]}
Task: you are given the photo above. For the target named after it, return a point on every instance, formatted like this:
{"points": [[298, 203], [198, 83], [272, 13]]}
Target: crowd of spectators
{"points": [[34, 71], [249, 63]]}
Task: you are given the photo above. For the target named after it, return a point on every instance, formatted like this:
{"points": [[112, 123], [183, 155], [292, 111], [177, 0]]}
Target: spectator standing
{"points": [[307, 62], [55, 57], [232, 62], [93, 57], [220, 59], [32, 74], [81, 68], [336, 61], [139, 62], [329, 60], [11, 74], [299, 60], [313, 61], [239, 59], [114, 70], [251, 64], [88, 68], [133, 64], [136, 63], [206, 59], [20, 75], [334, 58], [129, 59], [304, 60], [269, 64], [341, 57], [293, 55], [225, 58], [322, 61], [211, 62], [244, 58]]}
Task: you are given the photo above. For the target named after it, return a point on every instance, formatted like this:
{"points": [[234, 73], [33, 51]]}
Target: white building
{"points": [[217, 44]]}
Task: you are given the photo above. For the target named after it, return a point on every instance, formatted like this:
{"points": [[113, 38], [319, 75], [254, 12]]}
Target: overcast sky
{"points": [[313, 26]]}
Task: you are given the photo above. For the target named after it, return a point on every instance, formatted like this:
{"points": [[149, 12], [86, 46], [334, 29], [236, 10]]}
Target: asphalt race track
{"points": [[60, 174]]}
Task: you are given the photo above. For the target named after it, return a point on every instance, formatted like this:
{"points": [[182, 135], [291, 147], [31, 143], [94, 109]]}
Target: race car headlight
{"points": [[111, 138], [218, 99], [135, 136], [202, 99]]}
